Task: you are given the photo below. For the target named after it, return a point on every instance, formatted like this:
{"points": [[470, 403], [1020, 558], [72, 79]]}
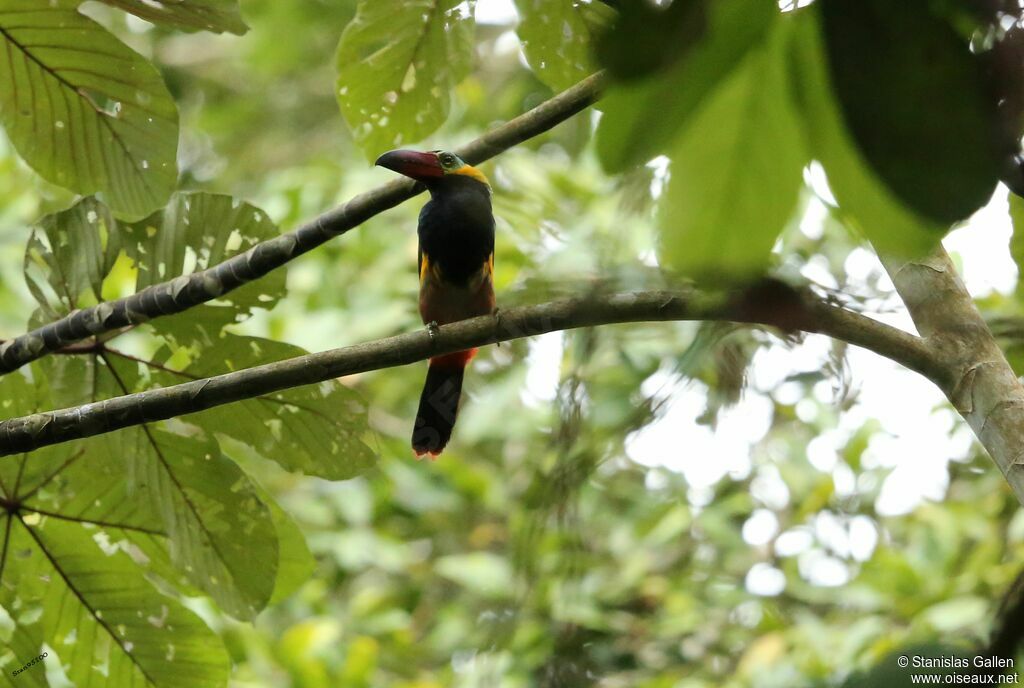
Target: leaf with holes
{"points": [[220, 532], [194, 232], [69, 254], [101, 620], [189, 15], [316, 429], [556, 40], [397, 65], [84, 110]]}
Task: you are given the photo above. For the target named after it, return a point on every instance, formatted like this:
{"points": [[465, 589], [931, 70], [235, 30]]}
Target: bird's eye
{"points": [[447, 159]]}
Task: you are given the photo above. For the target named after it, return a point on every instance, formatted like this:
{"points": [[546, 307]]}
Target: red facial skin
{"points": [[423, 167]]}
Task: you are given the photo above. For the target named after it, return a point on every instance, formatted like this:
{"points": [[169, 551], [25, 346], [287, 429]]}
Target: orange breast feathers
{"points": [[444, 302]]}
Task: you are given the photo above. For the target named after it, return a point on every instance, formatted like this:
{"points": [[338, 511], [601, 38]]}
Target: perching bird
{"points": [[456, 267]]}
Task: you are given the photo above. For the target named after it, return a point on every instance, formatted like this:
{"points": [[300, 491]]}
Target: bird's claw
{"points": [[432, 329]]}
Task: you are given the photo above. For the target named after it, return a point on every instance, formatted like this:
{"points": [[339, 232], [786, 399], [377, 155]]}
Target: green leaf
{"points": [[1017, 239], [84, 110], [296, 564], [556, 40], [667, 34], [865, 202], [397, 64], [69, 254], [190, 15], [892, 672], [194, 232], [98, 614], [484, 573], [204, 502], [641, 118], [315, 429], [736, 172], [220, 532], [917, 103]]}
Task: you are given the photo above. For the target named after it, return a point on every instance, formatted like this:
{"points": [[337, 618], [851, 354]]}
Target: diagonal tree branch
{"points": [[814, 315], [187, 291], [973, 374]]}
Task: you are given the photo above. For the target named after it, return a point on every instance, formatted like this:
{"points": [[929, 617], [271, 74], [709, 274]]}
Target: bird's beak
{"points": [[419, 166]]}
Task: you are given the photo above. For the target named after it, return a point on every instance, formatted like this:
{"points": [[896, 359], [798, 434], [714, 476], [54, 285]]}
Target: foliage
{"points": [[546, 547]]}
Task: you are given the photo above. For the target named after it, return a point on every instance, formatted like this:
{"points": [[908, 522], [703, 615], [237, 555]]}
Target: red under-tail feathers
{"points": [[439, 403]]}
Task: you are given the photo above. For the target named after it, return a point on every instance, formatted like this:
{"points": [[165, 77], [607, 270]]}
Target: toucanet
{"points": [[456, 269]]}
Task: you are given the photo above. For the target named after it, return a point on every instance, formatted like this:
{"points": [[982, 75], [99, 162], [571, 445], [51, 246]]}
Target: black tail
{"points": [[439, 403]]}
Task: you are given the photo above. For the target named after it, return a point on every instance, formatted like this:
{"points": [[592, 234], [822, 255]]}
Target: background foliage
{"points": [[291, 540]]}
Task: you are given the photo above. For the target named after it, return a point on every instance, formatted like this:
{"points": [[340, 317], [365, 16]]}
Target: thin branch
{"points": [[42, 429], [186, 291]]}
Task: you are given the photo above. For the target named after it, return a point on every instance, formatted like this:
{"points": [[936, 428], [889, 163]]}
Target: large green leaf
{"points": [[556, 40], [190, 15], [220, 532], [194, 232], [865, 202], [667, 34], [736, 171], [97, 613], [315, 429], [397, 63], [84, 110], [70, 254], [917, 103], [641, 118]]}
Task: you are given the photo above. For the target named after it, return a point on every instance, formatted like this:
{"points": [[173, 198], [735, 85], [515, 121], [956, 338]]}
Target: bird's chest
{"points": [[456, 239]]}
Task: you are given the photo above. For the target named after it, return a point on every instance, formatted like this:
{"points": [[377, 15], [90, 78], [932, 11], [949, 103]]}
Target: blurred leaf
{"points": [[641, 118], [864, 201], [397, 63], [646, 38], [1017, 238], [99, 614], [482, 572], [84, 110], [891, 672], [190, 15], [917, 104], [735, 179], [556, 40]]}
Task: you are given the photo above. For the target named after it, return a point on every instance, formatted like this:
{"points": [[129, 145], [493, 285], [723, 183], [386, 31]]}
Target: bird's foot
{"points": [[432, 329]]}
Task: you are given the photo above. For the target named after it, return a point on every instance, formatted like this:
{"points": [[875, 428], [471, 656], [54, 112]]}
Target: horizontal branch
{"points": [[186, 291], [42, 429]]}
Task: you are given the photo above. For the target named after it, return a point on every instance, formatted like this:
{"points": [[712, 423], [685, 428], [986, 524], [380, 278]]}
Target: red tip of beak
{"points": [[413, 164]]}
